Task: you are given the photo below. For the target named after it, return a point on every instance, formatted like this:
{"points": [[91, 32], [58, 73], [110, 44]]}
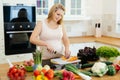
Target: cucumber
{"points": [[87, 73], [87, 65], [108, 62]]}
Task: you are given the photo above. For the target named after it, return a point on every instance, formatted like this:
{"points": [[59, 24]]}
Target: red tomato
{"points": [[14, 70], [16, 75], [11, 76], [117, 67], [22, 74], [49, 74], [10, 69], [44, 71], [36, 72]]}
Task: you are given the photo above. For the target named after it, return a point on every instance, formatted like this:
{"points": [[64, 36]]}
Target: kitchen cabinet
{"points": [[74, 8]]}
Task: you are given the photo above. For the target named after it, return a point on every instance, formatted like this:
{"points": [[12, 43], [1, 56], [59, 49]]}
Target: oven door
{"points": [[17, 42]]}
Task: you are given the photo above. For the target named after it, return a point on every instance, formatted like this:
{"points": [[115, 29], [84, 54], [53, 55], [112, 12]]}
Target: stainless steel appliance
{"points": [[17, 33]]}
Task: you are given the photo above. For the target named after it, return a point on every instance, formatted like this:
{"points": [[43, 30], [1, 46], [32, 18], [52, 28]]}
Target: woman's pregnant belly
{"points": [[56, 45]]}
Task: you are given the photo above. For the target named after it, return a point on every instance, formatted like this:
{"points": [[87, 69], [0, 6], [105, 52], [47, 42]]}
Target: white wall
{"points": [[93, 9], [118, 10], [109, 18], [1, 31], [78, 28]]}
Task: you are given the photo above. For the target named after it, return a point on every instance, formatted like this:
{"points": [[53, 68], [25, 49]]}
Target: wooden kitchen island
{"points": [[108, 40], [5, 67]]}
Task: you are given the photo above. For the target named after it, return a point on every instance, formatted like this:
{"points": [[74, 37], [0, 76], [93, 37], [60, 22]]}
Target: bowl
{"points": [[29, 68]]}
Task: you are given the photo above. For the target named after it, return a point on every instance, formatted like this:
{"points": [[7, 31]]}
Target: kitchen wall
{"points": [[1, 31], [109, 18], [93, 9], [78, 28], [102, 11]]}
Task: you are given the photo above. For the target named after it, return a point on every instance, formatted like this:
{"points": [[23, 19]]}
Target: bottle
{"points": [[97, 30]]}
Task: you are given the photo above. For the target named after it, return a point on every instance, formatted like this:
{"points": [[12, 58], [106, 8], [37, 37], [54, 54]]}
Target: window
{"points": [[42, 7], [118, 28], [60, 1], [74, 8], [118, 17]]}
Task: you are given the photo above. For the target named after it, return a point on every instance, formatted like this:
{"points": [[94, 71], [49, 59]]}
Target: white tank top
{"points": [[52, 37]]}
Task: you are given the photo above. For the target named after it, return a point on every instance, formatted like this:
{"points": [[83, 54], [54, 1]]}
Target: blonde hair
{"points": [[54, 8]]}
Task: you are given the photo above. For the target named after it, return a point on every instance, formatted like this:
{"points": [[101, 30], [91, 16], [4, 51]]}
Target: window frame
{"points": [[67, 15], [117, 17]]}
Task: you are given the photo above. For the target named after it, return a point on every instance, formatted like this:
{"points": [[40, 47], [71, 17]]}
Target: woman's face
{"points": [[58, 15]]}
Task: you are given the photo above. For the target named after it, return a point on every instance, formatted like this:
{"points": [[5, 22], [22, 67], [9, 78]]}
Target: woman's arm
{"points": [[34, 38], [66, 43]]}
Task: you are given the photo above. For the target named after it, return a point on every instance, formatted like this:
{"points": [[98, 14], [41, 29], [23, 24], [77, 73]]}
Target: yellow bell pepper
{"points": [[41, 77]]}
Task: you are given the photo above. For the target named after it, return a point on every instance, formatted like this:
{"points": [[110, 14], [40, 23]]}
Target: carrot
{"points": [[77, 77], [72, 58]]}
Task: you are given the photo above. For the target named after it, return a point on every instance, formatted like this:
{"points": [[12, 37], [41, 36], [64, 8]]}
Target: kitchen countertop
{"points": [[104, 39], [108, 40], [5, 67]]}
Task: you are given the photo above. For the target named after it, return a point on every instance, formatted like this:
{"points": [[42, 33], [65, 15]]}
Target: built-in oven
{"points": [[17, 42], [17, 31]]}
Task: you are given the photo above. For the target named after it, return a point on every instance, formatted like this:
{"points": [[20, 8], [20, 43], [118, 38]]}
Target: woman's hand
{"points": [[50, 49], [67, 53]]}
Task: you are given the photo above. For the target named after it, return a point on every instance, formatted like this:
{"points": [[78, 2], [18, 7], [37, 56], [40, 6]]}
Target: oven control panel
{"points": [[21, 26]]}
